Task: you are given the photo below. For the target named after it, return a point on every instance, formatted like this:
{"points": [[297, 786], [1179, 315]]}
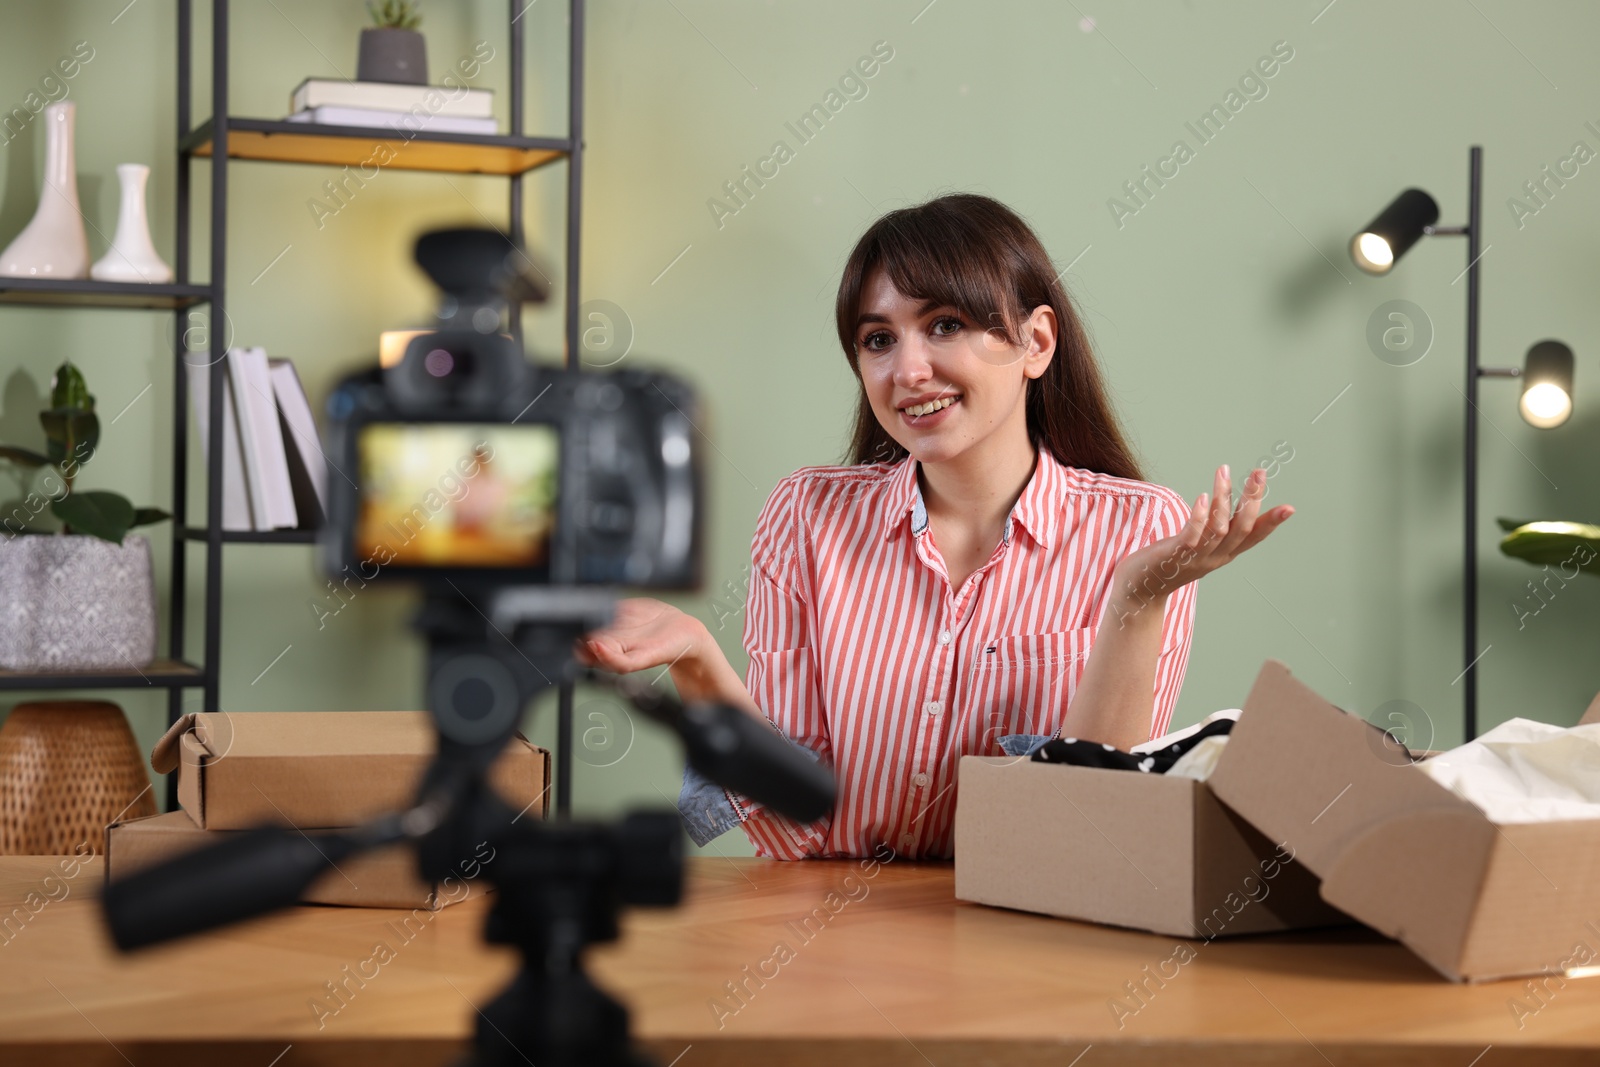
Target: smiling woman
{"points": [[966, 584]]}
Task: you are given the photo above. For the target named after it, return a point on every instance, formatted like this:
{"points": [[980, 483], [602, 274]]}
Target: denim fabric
{"points": [[1021, 744], [706, 810], [707, 813]]}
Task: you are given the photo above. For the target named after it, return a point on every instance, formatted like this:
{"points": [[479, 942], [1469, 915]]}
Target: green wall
{"points": [[1225, 311]]}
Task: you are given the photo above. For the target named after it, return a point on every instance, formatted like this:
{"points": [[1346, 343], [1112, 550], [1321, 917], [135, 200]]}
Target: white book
{"points": [[265, 463], [235, 487], [308, 466], [399, 121], [384, 96]]}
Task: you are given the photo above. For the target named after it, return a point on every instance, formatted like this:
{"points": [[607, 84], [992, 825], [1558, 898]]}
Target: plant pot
{"points": [[391, 55], [74, 602]]}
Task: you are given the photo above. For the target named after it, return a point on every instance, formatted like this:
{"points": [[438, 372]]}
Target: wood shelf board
{"points": [[349, 147], [162, 672]]}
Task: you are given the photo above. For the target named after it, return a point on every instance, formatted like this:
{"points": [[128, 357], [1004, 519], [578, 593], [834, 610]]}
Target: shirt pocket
{"points": [[1023, 683]]}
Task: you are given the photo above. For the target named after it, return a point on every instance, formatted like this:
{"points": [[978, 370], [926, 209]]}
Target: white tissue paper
{"points": [[1525, 771]]}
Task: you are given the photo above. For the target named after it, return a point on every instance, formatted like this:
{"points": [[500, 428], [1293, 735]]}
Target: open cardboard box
{"points": [[1146, 851], [321, 769], [1403, 854], [383, 878]]}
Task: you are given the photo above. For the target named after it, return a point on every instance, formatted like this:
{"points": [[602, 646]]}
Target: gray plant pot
{"points": [[391, 55], [76, 602]]}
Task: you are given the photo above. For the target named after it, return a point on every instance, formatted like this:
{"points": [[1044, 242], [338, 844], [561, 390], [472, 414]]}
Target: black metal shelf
{"points": [[161, 674], [255, 537], [87, 293], [508, 155], [277, 141]]}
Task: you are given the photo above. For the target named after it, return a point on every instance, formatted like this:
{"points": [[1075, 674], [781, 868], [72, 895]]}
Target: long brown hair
{"points": [[976, 255]]}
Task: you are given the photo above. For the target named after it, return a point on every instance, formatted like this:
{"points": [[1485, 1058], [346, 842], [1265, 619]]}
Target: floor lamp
{"points": [[1546, 372]]}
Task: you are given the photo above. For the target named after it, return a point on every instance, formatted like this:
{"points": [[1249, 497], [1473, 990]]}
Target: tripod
{"points": [[560, 886]]}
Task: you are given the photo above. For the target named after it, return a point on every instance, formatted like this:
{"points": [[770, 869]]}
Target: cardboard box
{"points": [[1146, 851], [320, 769], [384, 878], [1404, 854]]}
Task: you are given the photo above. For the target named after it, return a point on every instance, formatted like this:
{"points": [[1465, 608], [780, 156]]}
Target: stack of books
{"points": [[274, 473], [406, 109]]}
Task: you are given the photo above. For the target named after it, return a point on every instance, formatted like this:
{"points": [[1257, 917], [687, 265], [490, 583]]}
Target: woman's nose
{"points": [[911, 363]]}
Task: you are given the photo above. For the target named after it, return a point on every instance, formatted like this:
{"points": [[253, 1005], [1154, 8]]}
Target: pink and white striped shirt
{"points": [[861, 651]]}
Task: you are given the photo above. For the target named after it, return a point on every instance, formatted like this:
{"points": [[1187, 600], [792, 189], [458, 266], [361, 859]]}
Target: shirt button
{"points": [[919, 780], [906, 841], [944, 637], [933, 707]]}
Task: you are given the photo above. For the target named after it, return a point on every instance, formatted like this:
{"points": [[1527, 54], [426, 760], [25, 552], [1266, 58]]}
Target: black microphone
{"points": [[258, 871], [736, 750]]}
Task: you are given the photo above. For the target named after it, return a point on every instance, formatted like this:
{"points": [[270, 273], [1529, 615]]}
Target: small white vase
{"points": [[53, 245], [132, 257]]}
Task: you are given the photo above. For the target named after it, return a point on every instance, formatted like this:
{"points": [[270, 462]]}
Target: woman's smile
{"points": [[930, 413]]}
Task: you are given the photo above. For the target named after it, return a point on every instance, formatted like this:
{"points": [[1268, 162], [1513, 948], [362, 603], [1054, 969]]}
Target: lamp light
{"points": [[1386, 238], [1547, 385]]}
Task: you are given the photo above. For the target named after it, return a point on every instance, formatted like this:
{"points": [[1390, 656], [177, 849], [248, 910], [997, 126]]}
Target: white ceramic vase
{"points": [[132, 257], [53, 245]]}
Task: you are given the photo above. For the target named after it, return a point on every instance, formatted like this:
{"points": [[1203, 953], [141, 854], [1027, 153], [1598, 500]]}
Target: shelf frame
{"points": [[88, 293]]}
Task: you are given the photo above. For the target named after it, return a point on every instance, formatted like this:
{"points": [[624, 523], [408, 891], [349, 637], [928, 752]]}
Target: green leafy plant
{"points": [[395, 14], [72, 432], [1546, 543]]}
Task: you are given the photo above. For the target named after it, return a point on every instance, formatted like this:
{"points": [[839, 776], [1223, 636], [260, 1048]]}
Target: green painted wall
{"points": [[1225, 311]]}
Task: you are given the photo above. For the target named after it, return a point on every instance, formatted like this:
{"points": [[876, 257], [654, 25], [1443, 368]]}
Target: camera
{"points": [[465, 462]]}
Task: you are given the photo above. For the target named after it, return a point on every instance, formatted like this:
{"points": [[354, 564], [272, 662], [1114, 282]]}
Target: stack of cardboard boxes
{"points": [[315, 771]]}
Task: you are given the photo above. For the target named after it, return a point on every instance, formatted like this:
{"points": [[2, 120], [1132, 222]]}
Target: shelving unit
{"points": [[220, 140]]}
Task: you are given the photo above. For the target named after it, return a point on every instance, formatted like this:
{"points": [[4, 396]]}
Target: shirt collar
{"points": [[1035, 510]]}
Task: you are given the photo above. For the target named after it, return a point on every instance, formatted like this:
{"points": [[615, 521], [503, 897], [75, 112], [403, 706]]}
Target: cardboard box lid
{"points": [[299, 733], [320, 769], [1399, 851]]}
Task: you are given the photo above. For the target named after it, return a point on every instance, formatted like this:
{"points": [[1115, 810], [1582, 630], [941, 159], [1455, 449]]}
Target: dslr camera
{"points": [[466, 463]]}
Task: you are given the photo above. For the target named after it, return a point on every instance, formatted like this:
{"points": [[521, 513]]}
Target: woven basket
{"points": [[67, 768]]}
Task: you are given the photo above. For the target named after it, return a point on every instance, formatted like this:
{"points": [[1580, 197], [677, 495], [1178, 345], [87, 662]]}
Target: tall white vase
{"points": [[53, 245], [132, 257]]}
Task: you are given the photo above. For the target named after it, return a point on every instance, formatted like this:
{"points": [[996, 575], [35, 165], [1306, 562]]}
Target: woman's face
{"points": [[965, 384]]}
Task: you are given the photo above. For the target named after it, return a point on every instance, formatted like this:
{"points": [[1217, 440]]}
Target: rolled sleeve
{"points": [[1177, 625], [782, 677]]}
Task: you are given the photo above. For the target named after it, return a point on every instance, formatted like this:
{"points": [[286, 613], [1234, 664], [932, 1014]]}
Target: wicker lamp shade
{"points": [[67, 768]]}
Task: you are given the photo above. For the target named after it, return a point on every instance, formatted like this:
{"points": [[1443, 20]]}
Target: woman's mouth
{"points": [[931, 413]]}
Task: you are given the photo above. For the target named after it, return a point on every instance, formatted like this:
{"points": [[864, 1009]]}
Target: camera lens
{"points": [[439, 362]]}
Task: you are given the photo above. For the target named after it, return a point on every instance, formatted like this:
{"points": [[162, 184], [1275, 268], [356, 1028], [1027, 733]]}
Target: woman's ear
{"points": [[1040, 337]]}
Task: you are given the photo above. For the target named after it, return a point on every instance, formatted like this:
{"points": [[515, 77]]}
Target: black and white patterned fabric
{"points": [[1097, 754]]}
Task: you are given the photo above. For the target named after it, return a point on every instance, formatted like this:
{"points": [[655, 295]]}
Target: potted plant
{"points": [[391, 49], [80, 597]]}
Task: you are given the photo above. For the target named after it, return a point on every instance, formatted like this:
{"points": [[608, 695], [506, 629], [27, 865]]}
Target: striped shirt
{"points": [[861, 651]]}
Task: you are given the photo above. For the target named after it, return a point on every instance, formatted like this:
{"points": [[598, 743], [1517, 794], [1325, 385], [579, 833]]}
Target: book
{"points": [[236, 513], [308, 466], [384, 96], [266, 465], [399, 121]]}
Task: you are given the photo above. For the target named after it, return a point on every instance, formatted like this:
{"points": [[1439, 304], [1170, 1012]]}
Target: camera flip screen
{"points": [[458, 495]]}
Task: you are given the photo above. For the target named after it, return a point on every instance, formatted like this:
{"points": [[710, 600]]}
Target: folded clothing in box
{"points": [[1401, 852], [321, 769], [1151, 851], [384, 878]]}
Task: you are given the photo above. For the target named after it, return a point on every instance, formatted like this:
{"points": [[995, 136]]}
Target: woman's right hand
{"points": [[648, 633]]}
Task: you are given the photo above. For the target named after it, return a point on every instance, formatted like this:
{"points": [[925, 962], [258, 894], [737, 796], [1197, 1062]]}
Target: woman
{"points": [[942, 594]]}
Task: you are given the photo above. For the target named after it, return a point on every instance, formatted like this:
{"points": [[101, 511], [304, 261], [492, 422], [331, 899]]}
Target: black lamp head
{"points": [[1547, 385], [1382, 242]]}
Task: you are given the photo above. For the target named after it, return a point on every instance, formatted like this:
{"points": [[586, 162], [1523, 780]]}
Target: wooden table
{"points": [[891, 970]]}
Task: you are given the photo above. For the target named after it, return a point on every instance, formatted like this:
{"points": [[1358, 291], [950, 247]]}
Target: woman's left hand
{"points": [[1211, 538]]}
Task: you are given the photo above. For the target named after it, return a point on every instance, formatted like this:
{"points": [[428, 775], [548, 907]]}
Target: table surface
{"points": [[891, 969]]}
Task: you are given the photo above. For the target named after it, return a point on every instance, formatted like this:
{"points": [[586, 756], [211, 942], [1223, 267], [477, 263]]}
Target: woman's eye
{"points": [[946, 326], [876, 341]]}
